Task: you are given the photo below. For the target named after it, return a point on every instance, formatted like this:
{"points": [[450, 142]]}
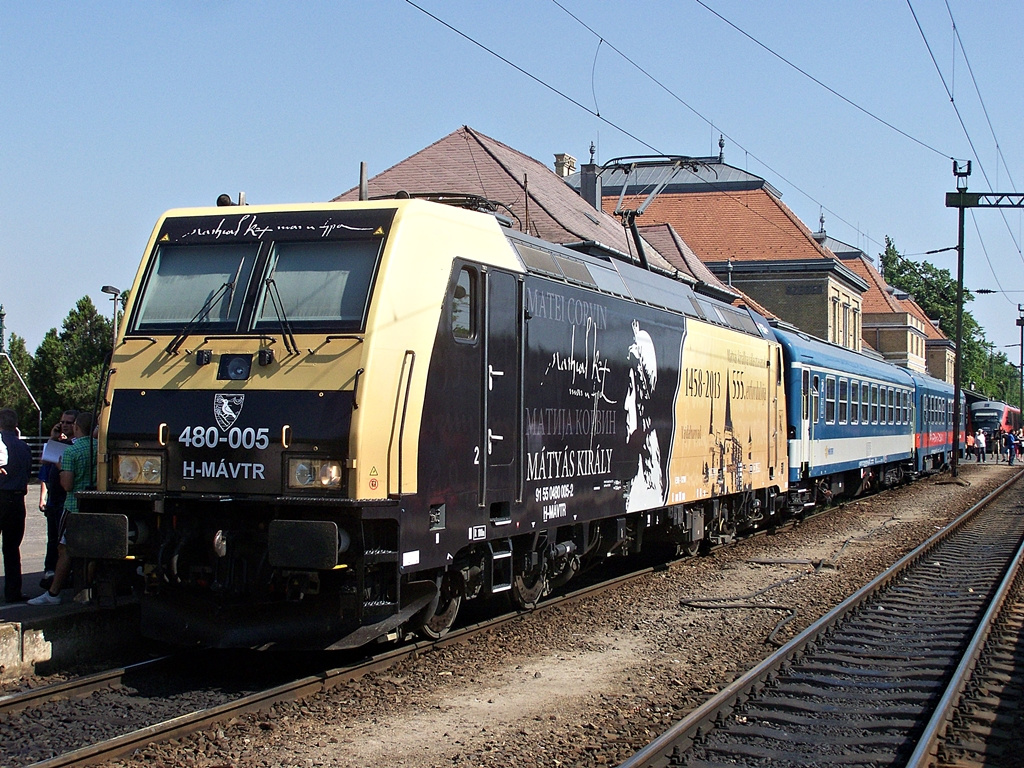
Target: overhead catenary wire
{"points": [[963, 124], [602, 40]]}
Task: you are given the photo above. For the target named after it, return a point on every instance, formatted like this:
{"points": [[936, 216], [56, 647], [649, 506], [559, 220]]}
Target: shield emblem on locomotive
{"points": [[226, 409]]}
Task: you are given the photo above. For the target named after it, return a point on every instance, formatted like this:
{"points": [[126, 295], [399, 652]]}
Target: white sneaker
{"points": [[45, 599]]}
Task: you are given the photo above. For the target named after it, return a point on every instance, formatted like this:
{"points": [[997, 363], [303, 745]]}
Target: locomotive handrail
{"points": [[355, 388], [398, 422]]}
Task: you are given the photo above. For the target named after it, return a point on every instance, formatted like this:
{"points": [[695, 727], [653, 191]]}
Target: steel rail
{"points": [[71, 689], [927, 747], [664, 750]]}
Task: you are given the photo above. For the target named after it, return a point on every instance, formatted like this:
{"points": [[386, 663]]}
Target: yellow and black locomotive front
{"points": [[227, 466]]}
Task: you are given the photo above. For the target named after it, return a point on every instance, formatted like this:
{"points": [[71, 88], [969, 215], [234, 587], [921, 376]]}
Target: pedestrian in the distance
{"points": [[979, 445], [13, 487]]}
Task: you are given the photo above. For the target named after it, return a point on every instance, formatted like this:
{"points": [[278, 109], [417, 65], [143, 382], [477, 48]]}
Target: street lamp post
{"points": [[113, 293]]}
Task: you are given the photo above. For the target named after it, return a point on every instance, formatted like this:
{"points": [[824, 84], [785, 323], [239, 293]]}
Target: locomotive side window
{"points": [[830, 399], [322, 283], [201, 283], [463, 308]]}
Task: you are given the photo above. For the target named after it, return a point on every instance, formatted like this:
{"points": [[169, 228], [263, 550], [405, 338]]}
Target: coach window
{"points": [[830, 399], [854, 401], [890, 408], [865, 403], [464, 306], [874, 403], [844, 401], [815, 398]]}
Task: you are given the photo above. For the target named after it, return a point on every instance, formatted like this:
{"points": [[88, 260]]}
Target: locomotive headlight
{"points": [[128, 469], [301, 474], [330, 474], [313, 473], [135, 469]]}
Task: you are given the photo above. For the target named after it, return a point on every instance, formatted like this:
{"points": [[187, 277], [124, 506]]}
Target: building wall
{"points": [[816, 303], [844, 316], [899, 337], [941, 361]]}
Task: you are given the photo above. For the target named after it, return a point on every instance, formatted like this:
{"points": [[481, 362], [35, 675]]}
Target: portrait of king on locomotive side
{"points": [[630, 409], [600, 407]]}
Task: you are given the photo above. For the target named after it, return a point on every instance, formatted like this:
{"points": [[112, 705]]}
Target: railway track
{"points": [[984, 729], [94, 747], [38, 746], [875, 681]]}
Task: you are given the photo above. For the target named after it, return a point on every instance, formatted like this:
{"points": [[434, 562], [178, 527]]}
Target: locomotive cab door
{"points": [[499, 447]]}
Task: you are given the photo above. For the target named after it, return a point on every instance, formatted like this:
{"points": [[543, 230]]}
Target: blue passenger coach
{"points": [[850, 419], [933, 428]]}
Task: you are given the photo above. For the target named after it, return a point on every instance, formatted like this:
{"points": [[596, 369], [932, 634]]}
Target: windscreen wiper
{"points": [[290, 345], [179, 339]]}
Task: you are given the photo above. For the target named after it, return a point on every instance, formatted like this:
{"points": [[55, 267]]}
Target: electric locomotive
{"points": [[326, 424]]}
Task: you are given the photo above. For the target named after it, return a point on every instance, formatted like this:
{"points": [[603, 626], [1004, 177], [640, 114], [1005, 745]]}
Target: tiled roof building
{"points": [[737, 225], [538, 199]]}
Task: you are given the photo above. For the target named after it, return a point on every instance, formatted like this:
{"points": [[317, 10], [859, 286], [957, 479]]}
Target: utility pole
{"points": [[961, 175], [961, 199], [1020, 322]]}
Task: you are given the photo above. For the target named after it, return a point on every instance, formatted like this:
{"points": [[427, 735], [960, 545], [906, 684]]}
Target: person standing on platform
{"points": [[52, 494], [77, 473], [979, 445], [13, 487]]}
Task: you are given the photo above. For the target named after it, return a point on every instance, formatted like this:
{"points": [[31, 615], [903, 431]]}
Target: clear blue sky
{"points": [[112, 112]]}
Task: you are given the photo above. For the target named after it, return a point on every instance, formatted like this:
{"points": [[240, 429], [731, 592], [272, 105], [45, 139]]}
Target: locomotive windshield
{"points": [[254, 286], [201, 283], [319, 283], [988, 419]]}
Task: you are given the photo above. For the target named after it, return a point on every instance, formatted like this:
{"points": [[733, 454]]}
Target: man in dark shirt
{"points": [[13, 487]]}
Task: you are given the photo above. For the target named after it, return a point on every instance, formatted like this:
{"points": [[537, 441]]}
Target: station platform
{"points": [[45, 638]]}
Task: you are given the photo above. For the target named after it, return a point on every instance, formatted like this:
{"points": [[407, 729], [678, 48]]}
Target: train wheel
{"points": [[438, 618], [690, 548], [528, 588]]}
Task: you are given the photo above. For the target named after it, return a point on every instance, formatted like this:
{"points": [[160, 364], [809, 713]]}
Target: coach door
{"points": [[808, 413], [501, 392]]}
